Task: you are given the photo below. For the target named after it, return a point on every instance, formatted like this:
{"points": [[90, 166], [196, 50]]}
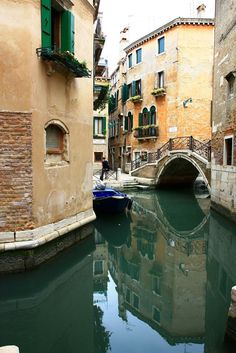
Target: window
{"points": [[129, 90], [136, 89], [156, 315], [144, 117], [56, 138], [156, 285], [138, 56], [228, 150], [153, 115], [135, 301], [160, 79], [98, 156], [128, 295], [129, 122], [57, 26], [98, 267], [231, 82], [161, 45], [130, 60], [99, 126]]}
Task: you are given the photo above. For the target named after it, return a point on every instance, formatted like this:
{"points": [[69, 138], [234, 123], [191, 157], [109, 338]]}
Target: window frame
{"points": [[161, 79], [60, 154], [130, 60], [225, 153], [139, 56], [159, 47]]}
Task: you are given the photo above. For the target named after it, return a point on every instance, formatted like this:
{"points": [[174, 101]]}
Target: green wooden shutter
{"points": [[131, 122], [133, 89], [149, 118], [140, 119], [126, 123], [46, 23], [67, 32], [124, 93], [104, 129]]}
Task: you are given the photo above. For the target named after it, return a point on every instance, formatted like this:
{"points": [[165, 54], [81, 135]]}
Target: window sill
{"points": [[56, 164], [159, 54]]}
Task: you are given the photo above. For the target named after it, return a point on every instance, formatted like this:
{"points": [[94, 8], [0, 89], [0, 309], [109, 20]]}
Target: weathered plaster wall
{"points": [[28, 85], [195, 68], [187, 64], [224, 110]]}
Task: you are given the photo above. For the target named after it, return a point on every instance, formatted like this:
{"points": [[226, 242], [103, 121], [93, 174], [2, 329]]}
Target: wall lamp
{"points": [[186, 102]]}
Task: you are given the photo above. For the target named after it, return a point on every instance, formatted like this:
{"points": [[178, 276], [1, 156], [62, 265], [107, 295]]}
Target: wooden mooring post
{"points": [[231, 324]]}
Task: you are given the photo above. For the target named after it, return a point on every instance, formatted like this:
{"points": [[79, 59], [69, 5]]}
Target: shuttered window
{"points": [[46, 23], [54, 139], [67, 32], [99, 126], [57, 27]]}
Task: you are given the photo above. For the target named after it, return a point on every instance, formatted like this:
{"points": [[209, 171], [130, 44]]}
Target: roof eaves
{"points": [[166, 27]]}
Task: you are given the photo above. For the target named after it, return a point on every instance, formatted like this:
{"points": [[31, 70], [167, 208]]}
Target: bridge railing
{"points": [[177, 143]]}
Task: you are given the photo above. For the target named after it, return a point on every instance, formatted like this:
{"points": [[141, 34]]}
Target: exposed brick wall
{"points": [[15, 171]]}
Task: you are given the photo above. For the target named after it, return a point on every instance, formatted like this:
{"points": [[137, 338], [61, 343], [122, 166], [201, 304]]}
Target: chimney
{"points": [[124, 40], [201, 10]]}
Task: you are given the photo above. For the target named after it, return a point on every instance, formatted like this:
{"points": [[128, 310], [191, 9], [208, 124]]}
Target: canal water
{"points": [[156, 279]]}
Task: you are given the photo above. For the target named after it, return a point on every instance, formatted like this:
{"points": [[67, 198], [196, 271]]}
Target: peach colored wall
{"points": [[187, 63], [27, 85]]}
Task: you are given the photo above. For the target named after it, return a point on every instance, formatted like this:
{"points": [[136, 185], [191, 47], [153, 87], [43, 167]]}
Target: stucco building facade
{"points": [[46, 119], [163, 89], [224, 112]]}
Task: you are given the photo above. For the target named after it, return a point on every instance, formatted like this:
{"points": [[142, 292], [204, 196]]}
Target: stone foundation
{"points": [[23, 260]]}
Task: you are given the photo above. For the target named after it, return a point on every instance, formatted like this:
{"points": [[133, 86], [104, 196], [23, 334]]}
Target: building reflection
{"points": [[160, 270], [51, 308], [221, 277]]}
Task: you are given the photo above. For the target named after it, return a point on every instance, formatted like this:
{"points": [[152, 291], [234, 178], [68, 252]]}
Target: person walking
{"points": [[105, 168]]}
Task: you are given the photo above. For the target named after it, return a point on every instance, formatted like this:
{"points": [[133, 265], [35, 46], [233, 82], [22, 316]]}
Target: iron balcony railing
{"points": [[145, 132]]}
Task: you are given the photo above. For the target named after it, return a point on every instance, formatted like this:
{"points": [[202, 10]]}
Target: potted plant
{"points": [[158, 92], [135, 99]]}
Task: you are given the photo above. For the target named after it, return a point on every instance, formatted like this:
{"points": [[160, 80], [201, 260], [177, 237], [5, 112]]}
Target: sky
{"points": [[142, 17]]}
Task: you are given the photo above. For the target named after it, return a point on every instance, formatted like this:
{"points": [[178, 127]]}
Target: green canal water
{"points": [[157, 279]]}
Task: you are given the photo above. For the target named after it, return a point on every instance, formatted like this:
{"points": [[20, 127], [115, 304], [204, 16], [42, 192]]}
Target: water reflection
{"points": [[158, 280], [159, 273], [51, 308]]}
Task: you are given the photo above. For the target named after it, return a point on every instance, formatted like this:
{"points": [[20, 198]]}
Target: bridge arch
{"points": [[180, 169]]}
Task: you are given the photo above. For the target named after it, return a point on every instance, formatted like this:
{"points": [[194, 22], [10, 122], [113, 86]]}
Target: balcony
{"points": [[65, 61], [146, 132]]}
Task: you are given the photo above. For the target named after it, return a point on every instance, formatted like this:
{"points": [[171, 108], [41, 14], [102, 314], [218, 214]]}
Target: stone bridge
{"points": [[177, 163]]}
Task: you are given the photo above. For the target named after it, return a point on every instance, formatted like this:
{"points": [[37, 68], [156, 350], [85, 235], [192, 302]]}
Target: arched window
{"points": [[153, 115], [54, 139], [143, 117], [56, 142]]}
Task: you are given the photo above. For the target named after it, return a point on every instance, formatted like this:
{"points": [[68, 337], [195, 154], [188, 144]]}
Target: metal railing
{"points": [[110, 175], [176, 144]]}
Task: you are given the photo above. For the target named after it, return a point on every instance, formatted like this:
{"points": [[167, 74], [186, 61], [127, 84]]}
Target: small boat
{"points": [[110, 201]]}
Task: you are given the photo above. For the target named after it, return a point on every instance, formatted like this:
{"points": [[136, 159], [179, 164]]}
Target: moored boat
{"points": [[110, 201]]}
